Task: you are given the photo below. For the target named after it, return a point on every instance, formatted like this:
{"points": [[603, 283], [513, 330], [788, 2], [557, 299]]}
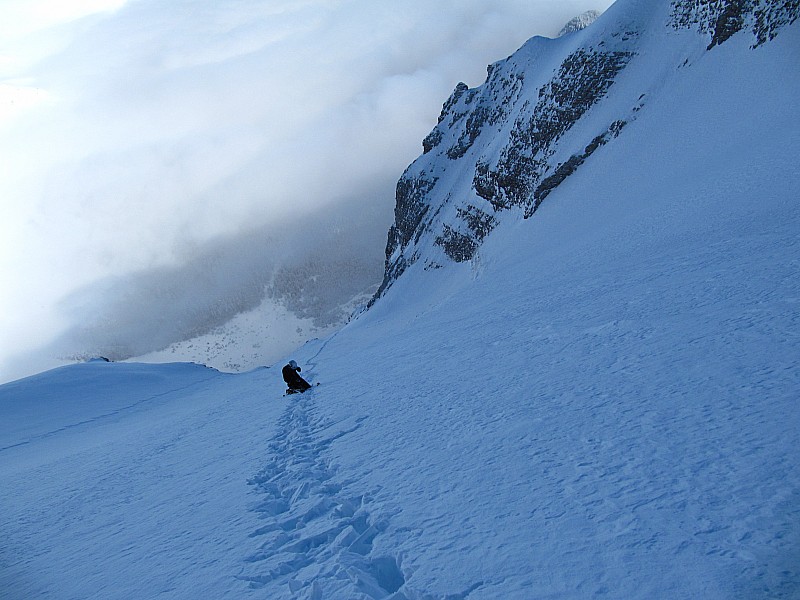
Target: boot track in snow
{"points": [[317, 539]]}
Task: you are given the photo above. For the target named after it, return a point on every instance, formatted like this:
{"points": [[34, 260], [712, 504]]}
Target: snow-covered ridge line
{"points": [[543, 112], [582, 21]]}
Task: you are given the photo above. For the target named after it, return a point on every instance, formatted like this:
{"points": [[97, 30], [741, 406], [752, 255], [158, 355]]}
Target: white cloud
{"points": [[171, 125], [22, 17]]}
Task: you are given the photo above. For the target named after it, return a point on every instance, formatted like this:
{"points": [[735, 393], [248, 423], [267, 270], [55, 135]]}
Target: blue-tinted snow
{"points": [[603, 403]]}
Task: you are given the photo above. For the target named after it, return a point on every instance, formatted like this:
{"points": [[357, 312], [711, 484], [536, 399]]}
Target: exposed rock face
{"points": [[410, 208], [462, 246], [770, 17], [583, 78], [723, 18], [507, 145]]}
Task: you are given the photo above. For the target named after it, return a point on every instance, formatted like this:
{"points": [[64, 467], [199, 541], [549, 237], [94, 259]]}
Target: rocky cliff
{"points": [[499, 150]]}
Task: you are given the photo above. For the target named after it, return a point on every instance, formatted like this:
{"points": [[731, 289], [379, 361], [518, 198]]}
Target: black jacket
{"points": [[293, 380]]}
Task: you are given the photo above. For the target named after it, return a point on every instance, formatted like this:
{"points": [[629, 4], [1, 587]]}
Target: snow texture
{"points": [[600, 401]]}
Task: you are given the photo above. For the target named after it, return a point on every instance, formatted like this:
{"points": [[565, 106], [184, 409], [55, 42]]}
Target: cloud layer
{"points": [[180, 157]]}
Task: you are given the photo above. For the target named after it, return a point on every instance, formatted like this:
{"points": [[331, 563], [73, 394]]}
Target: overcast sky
{"points": [[134, 136]]}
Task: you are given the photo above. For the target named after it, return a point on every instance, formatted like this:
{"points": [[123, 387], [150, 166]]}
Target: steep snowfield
{"points": [[602, 402]]}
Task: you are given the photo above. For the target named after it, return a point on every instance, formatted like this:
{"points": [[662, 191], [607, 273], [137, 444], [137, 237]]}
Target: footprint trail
{"points": [[317, 537]]}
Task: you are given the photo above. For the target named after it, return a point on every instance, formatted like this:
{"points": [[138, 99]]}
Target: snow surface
{"points": [[604, 402]]}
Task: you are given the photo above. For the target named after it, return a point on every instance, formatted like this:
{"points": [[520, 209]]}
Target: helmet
{"points": [[292, 364]]}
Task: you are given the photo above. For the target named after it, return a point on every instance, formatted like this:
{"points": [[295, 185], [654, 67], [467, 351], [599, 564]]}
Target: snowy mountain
{"points": [[582, 21], [579, 377], [508, 144]]}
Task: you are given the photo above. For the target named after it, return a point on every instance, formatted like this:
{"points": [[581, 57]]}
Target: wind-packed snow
{"points": [[602, 402]]}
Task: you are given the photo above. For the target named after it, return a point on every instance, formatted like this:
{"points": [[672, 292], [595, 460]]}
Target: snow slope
{"points": [[138, 489], [602, 401]]}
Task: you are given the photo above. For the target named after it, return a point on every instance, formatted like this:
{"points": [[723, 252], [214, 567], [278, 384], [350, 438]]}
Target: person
{"points": [[293, 380]]}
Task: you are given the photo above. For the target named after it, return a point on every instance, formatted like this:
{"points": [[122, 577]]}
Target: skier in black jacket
{"points": [[293, 380]]}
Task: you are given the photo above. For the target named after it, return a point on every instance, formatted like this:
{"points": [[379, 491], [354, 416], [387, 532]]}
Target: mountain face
{"points": [[503, 147]]}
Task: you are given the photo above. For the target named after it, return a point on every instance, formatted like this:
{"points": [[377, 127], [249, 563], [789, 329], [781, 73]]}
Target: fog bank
{"points": [[165, 166]]}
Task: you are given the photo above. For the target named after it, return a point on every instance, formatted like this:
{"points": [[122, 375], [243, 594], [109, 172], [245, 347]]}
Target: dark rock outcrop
{"points": [[721, 19], [583, 78], [409, 210]]}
